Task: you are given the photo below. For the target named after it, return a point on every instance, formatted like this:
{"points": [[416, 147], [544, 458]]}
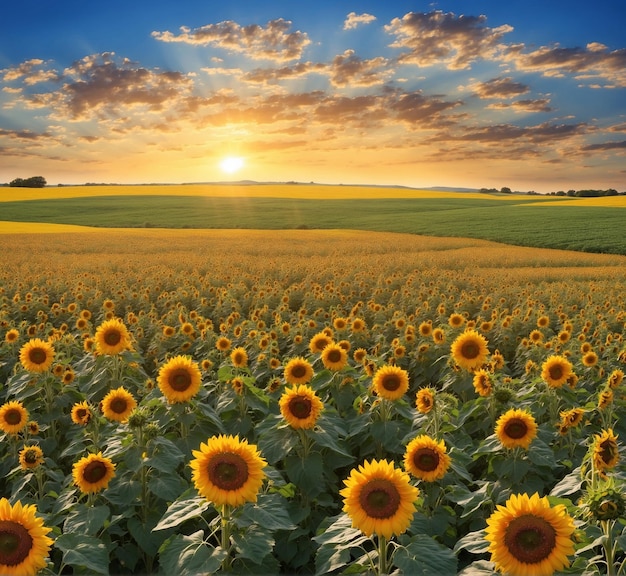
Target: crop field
{"points": [[314, 387], [582, 224]]}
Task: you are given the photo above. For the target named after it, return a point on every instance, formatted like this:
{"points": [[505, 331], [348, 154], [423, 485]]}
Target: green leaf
{"points": [[425, 556], [189, 555], [307, 474], [188, 506], [147, 540], [568, 484], [336, 541], [86, 520], [253, 543], [270, 511], [83, 553], [478, 568], [540, 454], [164, 455], [276, 441], [473, 542], [167, 486]]}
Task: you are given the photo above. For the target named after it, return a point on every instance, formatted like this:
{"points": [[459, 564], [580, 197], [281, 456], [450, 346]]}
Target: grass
{"points": [[545, 224]]}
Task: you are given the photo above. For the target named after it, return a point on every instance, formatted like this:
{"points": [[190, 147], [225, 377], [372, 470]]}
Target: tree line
{"points": [[32, 182]]}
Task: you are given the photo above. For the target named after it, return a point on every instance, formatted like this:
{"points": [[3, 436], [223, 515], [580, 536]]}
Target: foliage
{"points": [[270, 293], [32, 182]]}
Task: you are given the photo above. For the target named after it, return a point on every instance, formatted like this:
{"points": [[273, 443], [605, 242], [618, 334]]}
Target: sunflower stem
{"points": [[382, 556], [609, 546], [40, 484], [225, 536]]}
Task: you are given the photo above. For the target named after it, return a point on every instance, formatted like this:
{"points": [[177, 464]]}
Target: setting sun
{"points": [[231, 164]]}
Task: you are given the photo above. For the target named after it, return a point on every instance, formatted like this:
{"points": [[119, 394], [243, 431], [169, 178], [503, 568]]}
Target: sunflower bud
{"points": [[607, 504]]}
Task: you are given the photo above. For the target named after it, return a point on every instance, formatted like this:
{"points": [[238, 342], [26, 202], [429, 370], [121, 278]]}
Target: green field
{"points": [[583, 228]]}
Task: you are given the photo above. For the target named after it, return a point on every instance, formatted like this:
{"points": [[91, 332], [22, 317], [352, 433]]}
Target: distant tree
{"points": [[32, 182], [505, 190], [571, 193]]}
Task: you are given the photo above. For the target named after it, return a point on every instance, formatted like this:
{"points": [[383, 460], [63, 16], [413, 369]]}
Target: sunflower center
{"points": [[379, 498], [556, 372], [15, 543], [391, 382], [30, 457], [607, 451], [516, 428], [530, 539], [81, 413], [119, 405], [298, 371], [426, 459], [112, 337], [228, 471], [470, 350], [13, 417], [300, 406], [180, 380], [37, 355], [94, 472], [334, 356]]}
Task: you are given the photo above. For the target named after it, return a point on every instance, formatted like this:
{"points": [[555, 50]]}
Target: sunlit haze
{"points": [[529, 95]]}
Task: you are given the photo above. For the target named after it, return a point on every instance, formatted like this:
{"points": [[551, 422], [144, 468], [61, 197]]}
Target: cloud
{"points": [[541, 133], [353, 20], [437, 37], [100, 85], [24, 134], [498, 88], [593, 61], [538, 105], [621, 145], [274, 42], [348, 68], [30, 72], [274, 75]]}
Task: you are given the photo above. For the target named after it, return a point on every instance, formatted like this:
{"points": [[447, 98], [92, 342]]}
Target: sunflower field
{"points": [[309, 402]]}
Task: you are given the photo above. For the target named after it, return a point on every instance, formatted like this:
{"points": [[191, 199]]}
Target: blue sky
{"points": [[529, 95]]}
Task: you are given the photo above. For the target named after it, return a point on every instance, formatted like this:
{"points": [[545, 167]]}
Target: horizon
{"points": [[526, 97]]}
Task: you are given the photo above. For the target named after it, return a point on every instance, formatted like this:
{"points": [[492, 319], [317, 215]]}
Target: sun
{"points": [[231, 164]]}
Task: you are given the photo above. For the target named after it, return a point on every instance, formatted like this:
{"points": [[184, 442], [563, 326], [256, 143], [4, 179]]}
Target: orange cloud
{"points": [[353, 20]]}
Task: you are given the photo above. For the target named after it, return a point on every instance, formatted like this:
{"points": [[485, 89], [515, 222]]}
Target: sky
{"points": [[484, 93]]}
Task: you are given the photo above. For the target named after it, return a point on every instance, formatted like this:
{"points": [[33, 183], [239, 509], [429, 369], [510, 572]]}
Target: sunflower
{"points": [[118, 404], [334, 357], [36, 355], [482, 382], [605, 450], [391, 382], [590, 359], [239, 357], [615, 379], [179, 379], [81, 413], [425, 400], [528, 537], [379, 498], [13, 417], [319, 341], [571, 418], [24, 541], [112, 337], [93, 473], [605, 399], [30, 457], [469, 350], [439, 336], [516, 428], [556, 370], [298, 371], [11, 336], [456, 320], [300, 406], [227, 471], [426, 458]]}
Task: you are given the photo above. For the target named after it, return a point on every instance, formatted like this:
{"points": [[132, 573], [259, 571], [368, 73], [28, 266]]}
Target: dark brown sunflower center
{"points": [[13, 416], [516, 428], [112, 337], [81, 413], [530, 539], [30, 457], [470, 349], [119, 405], [238, 359], [180, 380], [608, 451], [94, 471], [298, 371], [300, 406], [334, 356], [37, 355], [15, 543], [556, 371], [228, 471], [379, 498], [426, 459], [391, 382]]}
